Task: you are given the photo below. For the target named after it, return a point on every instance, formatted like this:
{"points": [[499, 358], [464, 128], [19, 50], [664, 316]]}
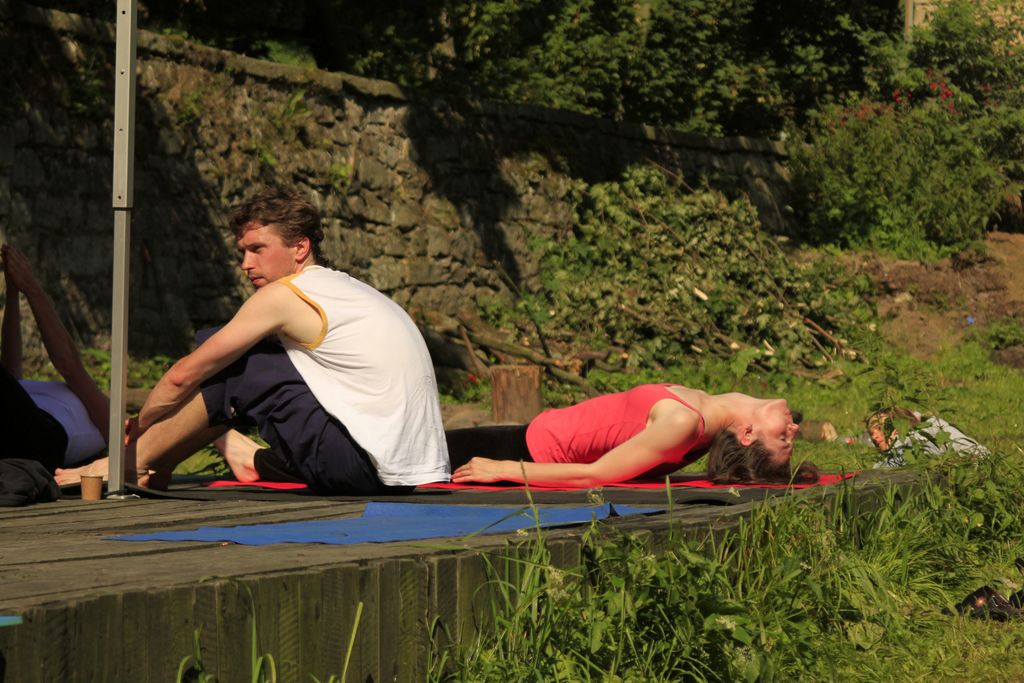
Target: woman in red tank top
{"points": [[652, 429]]}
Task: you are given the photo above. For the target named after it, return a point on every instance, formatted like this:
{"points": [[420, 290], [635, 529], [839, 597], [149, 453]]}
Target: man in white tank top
{"points": [[335, 375]]}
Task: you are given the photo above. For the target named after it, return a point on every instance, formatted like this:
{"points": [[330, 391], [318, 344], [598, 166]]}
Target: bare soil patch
{"points": [[928, 307]]}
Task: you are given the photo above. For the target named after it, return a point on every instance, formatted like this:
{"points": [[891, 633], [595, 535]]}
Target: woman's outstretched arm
{"points": [[639, 454], [60, 347]]}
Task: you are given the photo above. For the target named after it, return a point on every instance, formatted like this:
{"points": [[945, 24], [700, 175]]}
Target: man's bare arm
{"points": [[271, 310]]}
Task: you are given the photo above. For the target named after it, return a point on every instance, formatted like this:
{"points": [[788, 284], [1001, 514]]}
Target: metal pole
{"points": [[123, 192]]}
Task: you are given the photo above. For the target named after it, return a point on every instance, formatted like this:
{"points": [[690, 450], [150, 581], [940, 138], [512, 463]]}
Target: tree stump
{"points": [[515, 393]]}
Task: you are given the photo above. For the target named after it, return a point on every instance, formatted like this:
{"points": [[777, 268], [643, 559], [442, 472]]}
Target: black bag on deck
{"points": [[25, 481]]}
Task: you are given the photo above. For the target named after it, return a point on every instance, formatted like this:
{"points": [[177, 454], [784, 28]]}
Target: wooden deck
{"points": [[100, 610]]}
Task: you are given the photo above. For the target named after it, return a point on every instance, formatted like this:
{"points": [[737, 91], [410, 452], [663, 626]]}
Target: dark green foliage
{"points": [[707, 66], [267, 29], [548, 53], [820, 49], [718, 66], [388, 39], [695, 71], [667, 272]]}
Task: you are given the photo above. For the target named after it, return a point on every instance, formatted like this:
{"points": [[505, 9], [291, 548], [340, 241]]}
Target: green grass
{"points": [[803, 590]]}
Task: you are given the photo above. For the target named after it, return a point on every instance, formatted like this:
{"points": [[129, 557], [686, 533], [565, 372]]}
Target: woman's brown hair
{"points": [[730, 462]]}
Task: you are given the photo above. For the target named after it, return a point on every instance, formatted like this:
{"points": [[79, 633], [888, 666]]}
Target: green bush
{"points": [[931, 152], [978, 46], [975, 44], [910, 178], [666, 272]]}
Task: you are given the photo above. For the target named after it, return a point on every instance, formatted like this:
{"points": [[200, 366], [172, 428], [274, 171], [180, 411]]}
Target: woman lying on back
{"points": [[650, 430]]}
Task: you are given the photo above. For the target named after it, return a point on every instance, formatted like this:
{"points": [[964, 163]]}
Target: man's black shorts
{"points": [[307, 444]]}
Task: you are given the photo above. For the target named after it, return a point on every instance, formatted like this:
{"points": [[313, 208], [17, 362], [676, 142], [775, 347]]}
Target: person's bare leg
{"points": [[239, 451], [161, 447]]}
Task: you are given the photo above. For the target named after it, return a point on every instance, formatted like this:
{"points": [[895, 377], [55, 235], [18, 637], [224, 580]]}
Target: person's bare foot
{"points": [[239, 451], [73, 475]]}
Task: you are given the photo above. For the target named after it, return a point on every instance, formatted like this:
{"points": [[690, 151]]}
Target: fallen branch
{"points": [[478, 365], [511, 349]]}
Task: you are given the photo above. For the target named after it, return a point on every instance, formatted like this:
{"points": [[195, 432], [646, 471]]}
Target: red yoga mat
{"points": [[825, 480], [279, 485]]}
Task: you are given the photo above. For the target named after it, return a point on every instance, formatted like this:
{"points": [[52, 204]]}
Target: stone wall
{"points": [[434, 204]]}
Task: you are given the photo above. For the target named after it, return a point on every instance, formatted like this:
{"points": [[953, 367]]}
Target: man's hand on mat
{"points": [[481, 470]]}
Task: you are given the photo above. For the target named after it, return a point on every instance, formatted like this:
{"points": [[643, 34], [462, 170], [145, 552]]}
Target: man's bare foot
{"points": [[73, 475], [239, 451]]}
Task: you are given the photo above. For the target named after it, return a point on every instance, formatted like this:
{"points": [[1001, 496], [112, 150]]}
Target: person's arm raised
{"points": [[10, 332], [269, 311], [645, 450], [60, 347]]}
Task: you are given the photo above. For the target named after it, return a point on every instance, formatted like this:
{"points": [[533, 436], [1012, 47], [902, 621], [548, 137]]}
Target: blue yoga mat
{"points": [[9, 620], [385, 522]]}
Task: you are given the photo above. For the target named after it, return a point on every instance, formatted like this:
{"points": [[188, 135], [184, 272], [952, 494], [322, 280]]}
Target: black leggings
{"points": [[28, 431], [496, 443]]}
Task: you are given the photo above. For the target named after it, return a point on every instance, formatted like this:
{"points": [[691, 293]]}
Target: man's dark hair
{"points": [[291, 215], [730, 462]]}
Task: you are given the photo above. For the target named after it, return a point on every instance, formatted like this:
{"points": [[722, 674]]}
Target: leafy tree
{"points": [[707, 66], [570, 54]]}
